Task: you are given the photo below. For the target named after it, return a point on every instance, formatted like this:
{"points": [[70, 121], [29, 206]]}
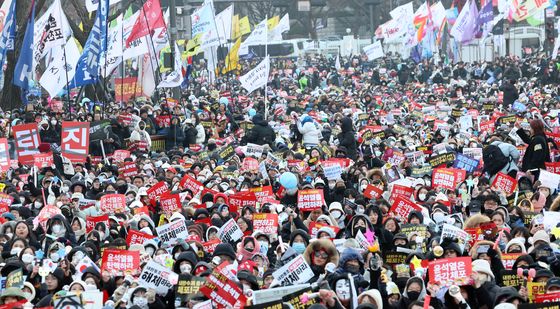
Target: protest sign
{"points": [[226, 152], [296, 301], [230, 231], [45, 214], [254, 150], [372, 191], [394, 258], [188, 285], [191, 184], [170, 203], [136, 237], [92, 299], [91, 222], [551, 305], [332, 171], [447, 178], [310, 199], [314, 228], [510, 278], [547, 298], [250, 164], [211, 245], [466, 163], [15, 279], [266, 223], [240, 200], [4, 155], [263, 194], [294, 272], [442, 159], [402, 207], [475, 235], [75, 141], [67, 300], [120, 154], [549, 180], [129, 169], [505, 183], [5, 202], [156, 191], [552, 167], [534, 289], [170, 232], [418, 229], [157, 277], [450, 271], [26, 137], [418, 172], [113, 203], [221, 289], [42, 160], [508, 259], [452, 232], [120, 262]]}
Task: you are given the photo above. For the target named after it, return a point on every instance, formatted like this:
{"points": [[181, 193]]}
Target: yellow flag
{"points": [[244, 26], [235, 32], [232, 58], [193, 46], [273, 22]]}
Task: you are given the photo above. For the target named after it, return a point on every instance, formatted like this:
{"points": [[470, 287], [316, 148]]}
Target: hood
{"points": [[350, 254], [324, 244], [346, 125], [418, 280], [258, 119], [350, 231]]}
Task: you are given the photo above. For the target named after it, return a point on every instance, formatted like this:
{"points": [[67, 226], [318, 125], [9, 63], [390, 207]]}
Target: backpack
{"points": [[494, 159]]}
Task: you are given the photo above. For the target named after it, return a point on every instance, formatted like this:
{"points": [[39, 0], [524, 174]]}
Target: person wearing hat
{"points": [[12, 296], [185, 263], [54, 281], [484, 283], [318, 254], [225, 252]]}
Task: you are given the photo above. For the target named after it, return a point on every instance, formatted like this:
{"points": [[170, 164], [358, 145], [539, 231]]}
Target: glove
{"points": [[151, 295]]}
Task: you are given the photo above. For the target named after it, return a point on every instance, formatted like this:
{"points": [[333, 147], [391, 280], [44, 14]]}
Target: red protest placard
{"points": [[508, 259], [126, 88], [554, 136], [5, 202], [450, 271], [45, 214], [129, 169], [26, 137], [92, 221], [4, 155], [113, 203], [263, 194], [487, 126], [222, 290], [157, 190], [250, 164], [211, 245], [137, 237], [403, 206], [142, 210], [372, 192], [120, 262], [475, 235], [75, 141], [505, 183], [310, 200], [242, 199], [447, 178], [403, 191], [170, 203], [120, 155], [547, 298], [553, 167], [191, 184], [266, 223], [314, 228], [42, 160]]}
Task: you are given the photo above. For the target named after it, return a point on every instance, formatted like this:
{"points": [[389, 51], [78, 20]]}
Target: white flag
{"points": [[374, 51], [283, 25], [257, 77], [148, 80], [175, 78], [337, 63], [257, 37], [223, 23], [54, 77], [403, 11], [52, 29], [115, 45], [92, 5]]}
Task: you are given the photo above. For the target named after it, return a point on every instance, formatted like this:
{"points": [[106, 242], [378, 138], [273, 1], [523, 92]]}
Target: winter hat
{"points": [[327, 230], [30, 286], [325, 218], [505, 306], [482, 266], [225, 249], [336, 206], [519, 241]]}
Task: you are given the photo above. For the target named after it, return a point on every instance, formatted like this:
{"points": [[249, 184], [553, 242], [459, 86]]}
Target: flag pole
{"points": [[65, 68], [266, 55], [154, 50]]}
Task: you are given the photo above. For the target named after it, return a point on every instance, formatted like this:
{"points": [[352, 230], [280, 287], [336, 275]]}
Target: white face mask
{"points": [[58, 229], [54, 257], [150, 251], [140, 301], [343, 289], [37, 204], [15, 251], [185, 268], [53, 122], [422, 196], [27, 258]]}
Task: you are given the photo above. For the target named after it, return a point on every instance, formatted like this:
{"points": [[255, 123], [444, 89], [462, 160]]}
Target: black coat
{"points": [[537, 152], [347, 138], [190, 136], [261, 133], [510, 93]]}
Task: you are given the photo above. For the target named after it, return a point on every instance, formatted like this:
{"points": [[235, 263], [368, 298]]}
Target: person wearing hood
{"points": [[318, 254], [311, 133], [47, 133], [299, 240], [358, 222], [347, 138], [414, 291], [262, 133], [59, 228], [54, 282], [384, 237], [141, 135], [143, 298], [175, 135], [111, 142], [185, 263], [190, 133], [79, 228], [465, 299]]}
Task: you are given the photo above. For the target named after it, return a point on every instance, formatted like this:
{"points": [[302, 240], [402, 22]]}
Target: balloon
{"points": [[288, 180], [224, 101], [252, 112]]}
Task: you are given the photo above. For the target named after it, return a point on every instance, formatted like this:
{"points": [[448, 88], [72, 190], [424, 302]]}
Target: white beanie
{"points": [[520, 241], [482, 266], [505, 306]]}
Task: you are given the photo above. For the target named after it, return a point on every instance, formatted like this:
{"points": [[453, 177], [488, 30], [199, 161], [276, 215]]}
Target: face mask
{"points": [[298, 247], [360, 228], [336, 214], [101, 235], [264, 247], [150, 251], [342, 289], [15, 251], [55, 257], [353, 269], [413, 295], [331, 185], [185, 268], [53, 122], [37, 204], [27, 296], [363, 187], [27, 258], [377, 153], [422, 197], [57, 229], [140, 301], [340, 189], [513, 218], [176, 255]]}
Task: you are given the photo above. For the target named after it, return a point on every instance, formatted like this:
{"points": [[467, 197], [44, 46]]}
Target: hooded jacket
{"points": [[311, 134], [141, 134], [347, 138], [262, 133], [351, 231], [68, 235], [320, 244], [175, 135]]}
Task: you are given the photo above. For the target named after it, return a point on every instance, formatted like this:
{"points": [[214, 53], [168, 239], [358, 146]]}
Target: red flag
{"points": [[150, 18]]}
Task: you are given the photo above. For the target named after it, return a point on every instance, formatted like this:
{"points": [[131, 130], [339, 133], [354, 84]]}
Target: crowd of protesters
{"points": [[369, 136]]}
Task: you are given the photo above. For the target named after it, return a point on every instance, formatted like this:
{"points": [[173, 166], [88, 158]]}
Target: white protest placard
{"points": [[549, 180], [466, 122], [332, 171], [257, 77], [475, 153], [204, 305], [158, 277], [296, 271], [92, 299], [254, 150], [374, 51], [551, 218], [230, 232], [515, 137], [453, 232], [170, 232], [362, 240], [263, 170]]}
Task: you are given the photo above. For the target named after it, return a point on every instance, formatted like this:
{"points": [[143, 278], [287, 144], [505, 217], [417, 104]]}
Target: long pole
{"points": [[172, 39], [371, 22], [266, 55]]}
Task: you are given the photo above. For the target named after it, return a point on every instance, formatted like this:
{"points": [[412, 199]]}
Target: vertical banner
{"points": [[75, 141], [4, 155], [27, 142]]}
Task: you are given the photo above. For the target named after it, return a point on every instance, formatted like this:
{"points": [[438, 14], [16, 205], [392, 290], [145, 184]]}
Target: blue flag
{"points": [[87, 70], [8, 33], [486, 14], [24, 66]]}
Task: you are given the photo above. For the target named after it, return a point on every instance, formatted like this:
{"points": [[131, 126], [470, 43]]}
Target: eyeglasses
{"points": [[322, 255]]}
